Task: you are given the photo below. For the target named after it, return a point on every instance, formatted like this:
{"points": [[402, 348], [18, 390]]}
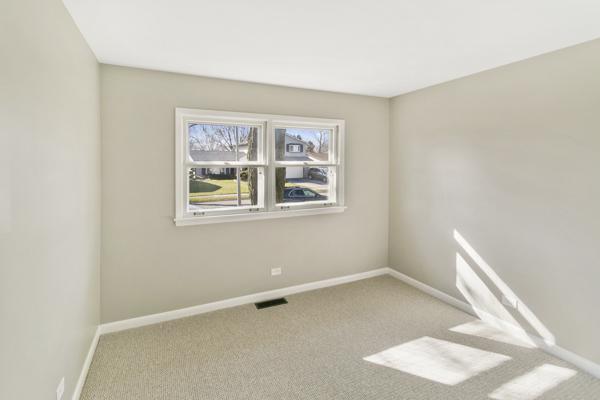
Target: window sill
{"points": [[217, 219]]}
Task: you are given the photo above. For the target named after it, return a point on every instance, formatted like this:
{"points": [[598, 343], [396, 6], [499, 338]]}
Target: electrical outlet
{"points": [[275, 271], [511, 302], [60, 390]]}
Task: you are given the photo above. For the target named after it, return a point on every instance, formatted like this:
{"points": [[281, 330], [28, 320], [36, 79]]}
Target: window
{"points": [[234, 166], [294, 148]]}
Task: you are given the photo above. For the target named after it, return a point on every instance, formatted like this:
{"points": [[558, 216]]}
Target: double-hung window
{"points": [[239, 166]]}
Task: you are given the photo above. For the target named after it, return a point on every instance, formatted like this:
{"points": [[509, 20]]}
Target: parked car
{"points": [[297, 194], [317, 174]]}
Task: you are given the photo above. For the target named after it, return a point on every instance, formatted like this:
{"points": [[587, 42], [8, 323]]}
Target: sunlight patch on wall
{"points": [[533, 384], [522, 308], [484, 330], [438, 360], [476, 292]]}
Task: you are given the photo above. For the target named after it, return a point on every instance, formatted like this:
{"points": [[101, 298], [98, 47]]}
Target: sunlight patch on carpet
{"points": [[533, 384], [438, 360], [484, 330]]}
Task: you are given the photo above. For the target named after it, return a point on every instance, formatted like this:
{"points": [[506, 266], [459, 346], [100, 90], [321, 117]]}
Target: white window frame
{"points": [[266, 162]]}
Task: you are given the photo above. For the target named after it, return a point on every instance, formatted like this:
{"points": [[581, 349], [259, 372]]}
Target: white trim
{"points": [[236, 301], [266, 160], [584, 364], [461, 305], [557, 351], [255, 216], [259, 118], [86, 365]]}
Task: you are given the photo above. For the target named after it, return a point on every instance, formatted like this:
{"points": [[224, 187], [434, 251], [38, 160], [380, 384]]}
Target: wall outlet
{"points": [[275, 271], [511, 302], [60, 390]]}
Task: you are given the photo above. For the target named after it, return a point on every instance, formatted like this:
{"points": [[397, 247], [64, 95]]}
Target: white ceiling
{"points": [[374, 47]]}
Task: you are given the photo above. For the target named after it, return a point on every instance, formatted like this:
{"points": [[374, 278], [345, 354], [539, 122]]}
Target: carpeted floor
{"points": [[373, 339]]}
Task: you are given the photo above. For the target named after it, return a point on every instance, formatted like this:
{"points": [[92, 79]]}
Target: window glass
{"points": [[302, 144], [302, 184], [237, 164], [220, 143], [222, 187]]}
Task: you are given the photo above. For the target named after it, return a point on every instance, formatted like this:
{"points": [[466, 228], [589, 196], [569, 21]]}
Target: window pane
{"points": [[218, 187], [301, 184], [218, 142], [302, 144]]}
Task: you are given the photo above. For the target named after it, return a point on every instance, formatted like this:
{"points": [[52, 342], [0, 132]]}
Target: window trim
{"points": [[265, 159]]}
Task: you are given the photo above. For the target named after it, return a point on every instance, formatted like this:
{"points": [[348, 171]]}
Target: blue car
{"points": [[298, 194]]}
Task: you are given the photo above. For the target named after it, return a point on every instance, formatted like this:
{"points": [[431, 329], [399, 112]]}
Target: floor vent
{"points": [[271, 303]]}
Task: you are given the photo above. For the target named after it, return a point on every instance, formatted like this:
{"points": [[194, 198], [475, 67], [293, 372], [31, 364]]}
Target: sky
{"points": [[307, 134]]}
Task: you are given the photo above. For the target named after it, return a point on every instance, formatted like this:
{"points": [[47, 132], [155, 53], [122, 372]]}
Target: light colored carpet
{"points": [[372, 339]]}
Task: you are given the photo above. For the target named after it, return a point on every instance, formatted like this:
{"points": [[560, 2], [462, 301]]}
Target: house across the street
{"points": [[296, 150]]}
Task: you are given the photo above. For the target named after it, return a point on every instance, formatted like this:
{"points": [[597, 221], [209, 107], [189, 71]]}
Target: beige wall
{"points": [[149, 265], [49, 199], [510, 158]]}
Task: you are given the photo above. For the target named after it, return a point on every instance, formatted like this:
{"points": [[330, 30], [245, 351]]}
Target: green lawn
{"points": [[206, 190], [212, 190]]}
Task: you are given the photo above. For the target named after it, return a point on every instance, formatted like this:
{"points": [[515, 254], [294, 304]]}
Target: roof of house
{"points": [[215, 155], [309, 156], [296, 139]]}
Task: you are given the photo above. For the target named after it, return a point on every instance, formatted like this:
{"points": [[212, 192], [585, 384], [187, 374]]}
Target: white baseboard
{"points": [[582, 363], [446, 298], [204, 308], [86, 365], [236, 301]]}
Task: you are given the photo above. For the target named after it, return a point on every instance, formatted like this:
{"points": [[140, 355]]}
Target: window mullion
{"points": [[269, 157]]}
